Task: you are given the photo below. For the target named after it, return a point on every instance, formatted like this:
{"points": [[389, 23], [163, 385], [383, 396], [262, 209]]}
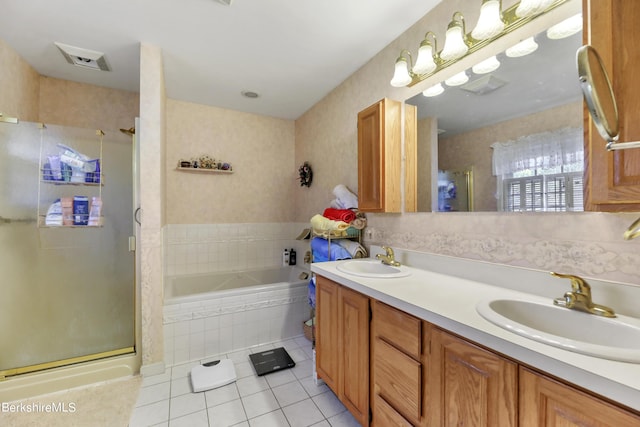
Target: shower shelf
{"points": [[202, 170], [86, 184]]}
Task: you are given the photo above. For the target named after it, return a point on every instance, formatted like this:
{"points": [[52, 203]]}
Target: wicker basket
{"points": [[308, 331]]}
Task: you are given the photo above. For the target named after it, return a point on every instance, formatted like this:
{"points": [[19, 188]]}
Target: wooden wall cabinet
{"points": [[380, 158], [612, 179], [342, 345]]}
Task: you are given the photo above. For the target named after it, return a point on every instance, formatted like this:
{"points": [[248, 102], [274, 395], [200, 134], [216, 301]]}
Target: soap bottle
{"points": [[292, 257], [285, 257]]}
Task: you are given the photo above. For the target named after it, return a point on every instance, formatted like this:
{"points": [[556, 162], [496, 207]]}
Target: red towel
{"points": [[345, 215]]}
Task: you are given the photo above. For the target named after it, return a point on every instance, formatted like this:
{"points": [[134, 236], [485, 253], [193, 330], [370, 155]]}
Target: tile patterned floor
{"points": [[287, 398]]}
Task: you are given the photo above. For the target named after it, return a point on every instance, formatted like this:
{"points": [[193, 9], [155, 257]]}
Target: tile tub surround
{"points": [[207, 248], [285, 398], [204, 328]]}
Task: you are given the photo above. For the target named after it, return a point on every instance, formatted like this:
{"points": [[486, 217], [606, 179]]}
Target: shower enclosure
{"points": [[68, 293]]}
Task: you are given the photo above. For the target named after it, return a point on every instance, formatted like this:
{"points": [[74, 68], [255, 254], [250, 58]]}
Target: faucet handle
{"points": [[578, 284]]}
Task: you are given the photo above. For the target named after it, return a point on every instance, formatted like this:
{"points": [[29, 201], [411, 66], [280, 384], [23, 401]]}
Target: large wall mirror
{"points": [[506, 140]]}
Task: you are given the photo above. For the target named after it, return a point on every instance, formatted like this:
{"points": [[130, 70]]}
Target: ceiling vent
{"points": [[83, 57], [483, 85]]}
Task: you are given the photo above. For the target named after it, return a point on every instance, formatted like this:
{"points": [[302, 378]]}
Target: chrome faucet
{"points": [[389, 258], [580, 297]]}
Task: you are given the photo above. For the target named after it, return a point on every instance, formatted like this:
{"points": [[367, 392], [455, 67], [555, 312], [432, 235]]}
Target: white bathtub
{"points": [[196, 287], [208, 314]]}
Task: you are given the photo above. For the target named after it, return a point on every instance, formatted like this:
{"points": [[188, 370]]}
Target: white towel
{"points": [[345, 197], [335, 204], [354, 248]]}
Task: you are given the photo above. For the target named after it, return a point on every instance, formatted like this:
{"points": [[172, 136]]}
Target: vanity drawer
{"points": [[398, 379], [398, 328], [385, 416]]}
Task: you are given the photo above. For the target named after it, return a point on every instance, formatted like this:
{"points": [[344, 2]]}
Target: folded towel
{"points": [[359, 223], [355, 249], [335, 203], [323, 250], [318, 222], [346, 198], [345, 215]]}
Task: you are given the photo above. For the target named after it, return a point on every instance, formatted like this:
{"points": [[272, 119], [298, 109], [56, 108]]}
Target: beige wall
{"points": [[473, 149], [19, 86], [87, 106], [261, 151], [582, 243]]}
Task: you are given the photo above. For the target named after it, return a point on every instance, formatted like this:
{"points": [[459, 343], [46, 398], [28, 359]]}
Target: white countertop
{"points": [[450, 303]]}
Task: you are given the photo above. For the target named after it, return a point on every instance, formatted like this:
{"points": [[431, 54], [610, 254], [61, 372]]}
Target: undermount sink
{"points": [[372, 268], [610, 338]]}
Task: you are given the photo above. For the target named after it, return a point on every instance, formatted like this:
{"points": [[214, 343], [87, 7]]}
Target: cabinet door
{"points": [[612, 179], [546, 402], [470, 386], [355, 352], [328, 343], [379, 157]]}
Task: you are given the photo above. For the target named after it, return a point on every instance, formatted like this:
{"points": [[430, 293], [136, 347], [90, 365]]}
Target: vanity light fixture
{"points": [[425, 62], [488, 65], [457, 79], [566, 28], [525, 47], [434, 90], [402, 76], [490, 22], [455, 43]]}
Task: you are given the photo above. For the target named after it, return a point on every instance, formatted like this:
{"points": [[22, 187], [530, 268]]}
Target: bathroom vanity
{"points": [[413, 350]]}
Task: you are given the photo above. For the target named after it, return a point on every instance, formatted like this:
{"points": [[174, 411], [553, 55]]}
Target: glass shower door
{"points": [[67, 291]]}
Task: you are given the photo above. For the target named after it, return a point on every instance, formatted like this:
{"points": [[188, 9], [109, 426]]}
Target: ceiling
{"points": [[292, 53]]}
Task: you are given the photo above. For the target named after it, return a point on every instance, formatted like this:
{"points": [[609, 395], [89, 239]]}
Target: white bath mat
{"points": [[212, 375]]}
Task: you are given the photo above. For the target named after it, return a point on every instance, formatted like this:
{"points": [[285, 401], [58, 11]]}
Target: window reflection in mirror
{"points": [[528, 100]]}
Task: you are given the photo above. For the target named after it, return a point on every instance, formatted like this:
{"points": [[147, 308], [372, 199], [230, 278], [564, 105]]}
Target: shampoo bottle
{"points": [[292, 257], [285, 257]]}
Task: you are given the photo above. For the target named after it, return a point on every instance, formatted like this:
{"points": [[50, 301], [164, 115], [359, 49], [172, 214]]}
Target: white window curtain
{"points": [[538, 151]]}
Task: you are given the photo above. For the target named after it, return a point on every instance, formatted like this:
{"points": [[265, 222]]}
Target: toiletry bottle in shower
{"points": [[285, 257], [292, 257]]}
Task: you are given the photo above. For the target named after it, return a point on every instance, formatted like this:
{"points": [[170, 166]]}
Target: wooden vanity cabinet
{"points": [[469, 385], [612, 179], [547, 402], [413, 373], [397, 386], [342, 345]]}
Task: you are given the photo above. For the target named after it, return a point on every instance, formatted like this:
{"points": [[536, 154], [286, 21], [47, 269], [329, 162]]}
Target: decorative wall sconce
{"points": [[492, 24]]}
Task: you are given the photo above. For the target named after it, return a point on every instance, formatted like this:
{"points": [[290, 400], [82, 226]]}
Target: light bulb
{"points": [[525, 47], [490, 22], [486, 66], [458, 79], [434, 90], [425, 63], [401, 75], [455, 45], [566, 28]]}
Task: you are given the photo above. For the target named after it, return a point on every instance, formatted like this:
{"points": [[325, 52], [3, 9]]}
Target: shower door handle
{"points": [[136, 215]]}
